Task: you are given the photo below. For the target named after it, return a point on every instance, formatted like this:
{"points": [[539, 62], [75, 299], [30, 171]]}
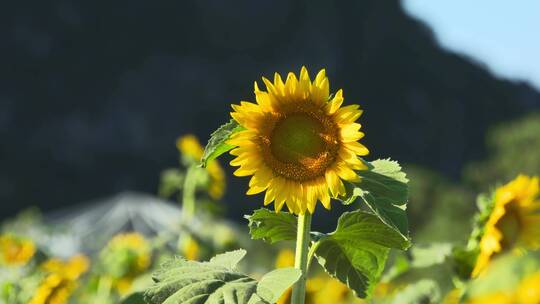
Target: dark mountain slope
{"points": [[93, 94]]}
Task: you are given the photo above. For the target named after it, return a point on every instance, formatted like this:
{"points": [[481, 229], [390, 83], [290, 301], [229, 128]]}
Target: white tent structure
{"points": [[88, 227]]}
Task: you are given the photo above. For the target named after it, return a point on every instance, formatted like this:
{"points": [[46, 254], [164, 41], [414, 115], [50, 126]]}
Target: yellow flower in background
{"points": [[71, 269], [125, 257], [493, 298], [298, 143], [15, 251], [55, 289], [285, 258], [60, 281], [190, 249], [190, 146], [135, 247], [528, 291], [514, 222], [326, 290]]}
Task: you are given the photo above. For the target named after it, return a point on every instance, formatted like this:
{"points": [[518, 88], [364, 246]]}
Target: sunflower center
{"points": [[302, 145], [297, 137]]}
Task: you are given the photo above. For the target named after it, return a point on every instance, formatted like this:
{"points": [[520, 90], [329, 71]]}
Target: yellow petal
{"points": [[335, 103], [346, 173], [278, 84], [357, 148]]}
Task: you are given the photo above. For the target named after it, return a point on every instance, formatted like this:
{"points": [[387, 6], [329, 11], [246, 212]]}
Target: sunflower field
{"points": [[328, 223]]}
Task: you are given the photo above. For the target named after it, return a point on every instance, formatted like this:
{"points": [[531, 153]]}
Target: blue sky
{"points": [[503, 34]]}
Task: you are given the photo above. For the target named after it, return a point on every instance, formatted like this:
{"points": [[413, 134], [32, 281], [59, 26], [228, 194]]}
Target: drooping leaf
{"points": [[217, 143], [356, 252], [271, 226], [421, 292], [383, 187], [188, 282], [273, 284], [229, 259]]}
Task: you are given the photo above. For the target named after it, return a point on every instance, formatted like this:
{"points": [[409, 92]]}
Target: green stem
{"points": [[104, 288], [301, 258], [188, 193], [311, 252]]}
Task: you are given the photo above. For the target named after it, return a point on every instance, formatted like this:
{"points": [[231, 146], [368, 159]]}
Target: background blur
{"points": [[94, 94]]}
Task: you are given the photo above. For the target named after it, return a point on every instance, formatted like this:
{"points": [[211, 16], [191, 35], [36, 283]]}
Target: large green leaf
{"points": [[134, 298], [217, 143], [187, 282], [384, 189], [355, 253], [271, 226]]}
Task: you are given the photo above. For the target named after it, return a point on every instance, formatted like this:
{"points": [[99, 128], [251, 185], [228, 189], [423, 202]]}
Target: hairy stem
{"points": [[301, 257]]}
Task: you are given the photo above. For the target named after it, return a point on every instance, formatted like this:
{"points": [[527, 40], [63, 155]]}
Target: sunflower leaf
{"points": [[383, 187], [356, 252], [134, 298], [216, 281], [273, 284], [271, 226], [217, 143]]}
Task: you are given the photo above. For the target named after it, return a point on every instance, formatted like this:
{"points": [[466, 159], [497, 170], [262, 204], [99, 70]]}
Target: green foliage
{"points": [[429, 255], [134, 298], [421, 292], [273, 284], [464, 258], [439, 209], [513, 149], [216, 281], [356, 252], [384, 189], [217, 143], [171, 182], [271, 226]]}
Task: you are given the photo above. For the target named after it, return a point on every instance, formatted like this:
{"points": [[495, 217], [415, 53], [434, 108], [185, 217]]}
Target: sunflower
{"points": [[190, 147], [190, 248], [299, 144], [16, 251], [514, 222], [527, 292], [61, 281]]}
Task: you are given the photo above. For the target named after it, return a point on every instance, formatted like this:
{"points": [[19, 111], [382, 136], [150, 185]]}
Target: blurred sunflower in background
{"points": [[527, 292], [299, 144], [189, 247], [124, 258], [191, 148], [16, 251], [60, 281], [514, 222]]}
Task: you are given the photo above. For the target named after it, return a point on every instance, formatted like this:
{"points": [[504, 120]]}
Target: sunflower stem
{"points": [[301, 257], [188, 193]]}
